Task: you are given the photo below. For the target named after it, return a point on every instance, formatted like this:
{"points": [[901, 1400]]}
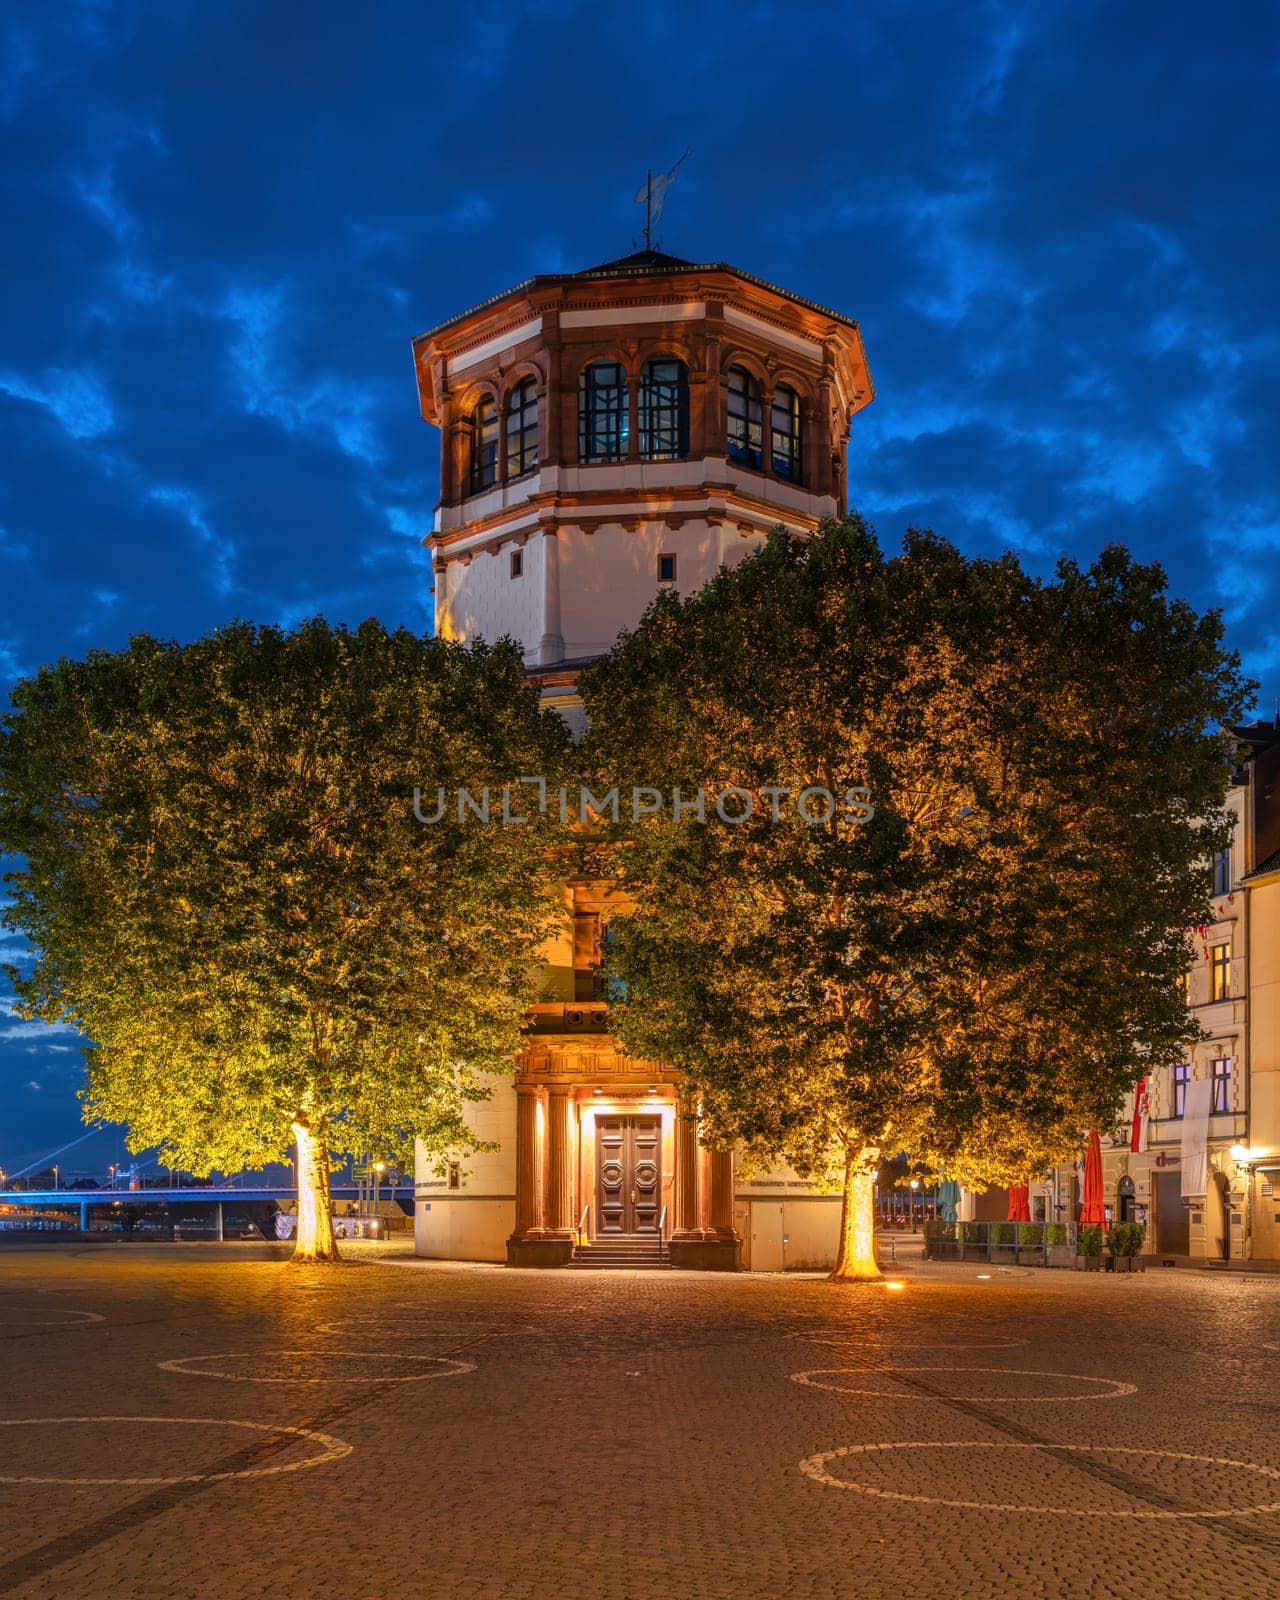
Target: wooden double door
{"points": [[628, 1175]]}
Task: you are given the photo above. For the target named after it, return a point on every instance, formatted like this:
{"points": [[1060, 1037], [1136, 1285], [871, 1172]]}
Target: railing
{"points": [[662, 1233], [1039, 1244], [582, 1225]]}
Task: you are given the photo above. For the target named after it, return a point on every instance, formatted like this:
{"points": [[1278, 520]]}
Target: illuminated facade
{"points": [[604, 434], [1200, 1200]]}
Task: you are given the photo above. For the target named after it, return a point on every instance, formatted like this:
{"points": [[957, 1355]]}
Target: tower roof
{"points": [[641, 264]]}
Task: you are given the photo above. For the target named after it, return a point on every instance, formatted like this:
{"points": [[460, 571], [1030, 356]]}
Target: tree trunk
{"points": [[314, 1239], [856, 1260]]}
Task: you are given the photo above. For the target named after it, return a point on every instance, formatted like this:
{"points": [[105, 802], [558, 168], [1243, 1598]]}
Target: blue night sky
{"points": [[1057, 225]]}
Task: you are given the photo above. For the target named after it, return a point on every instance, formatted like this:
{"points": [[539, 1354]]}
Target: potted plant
{"points": [[1118, 1245], [1059, 1251], [1003, 1240], [1030, 1239], [1090, 1247], [973, 1233], [1137, 1238]]}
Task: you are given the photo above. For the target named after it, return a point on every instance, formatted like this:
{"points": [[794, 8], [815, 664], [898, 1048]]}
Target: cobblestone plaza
{"points": [[180, 1423]]}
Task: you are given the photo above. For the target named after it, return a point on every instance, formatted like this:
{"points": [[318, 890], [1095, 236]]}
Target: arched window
{"points": [[664, 410], [603, 421], [746, 418], [483, 471], [522, 429], [785, 428]]}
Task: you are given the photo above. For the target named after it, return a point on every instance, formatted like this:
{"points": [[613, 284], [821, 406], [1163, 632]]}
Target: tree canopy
{"points": [[231, 895], [979, 971]]}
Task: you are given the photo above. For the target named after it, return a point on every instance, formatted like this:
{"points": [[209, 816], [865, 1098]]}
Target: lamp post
{"points": [[55, 1177], [379, 1167]]}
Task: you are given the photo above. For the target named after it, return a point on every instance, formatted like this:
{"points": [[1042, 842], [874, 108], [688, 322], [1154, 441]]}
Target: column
{"points": [[721, 1217], [551, 644], [443, 627], [527, 1185], [560, 1219], [686, 1176]]}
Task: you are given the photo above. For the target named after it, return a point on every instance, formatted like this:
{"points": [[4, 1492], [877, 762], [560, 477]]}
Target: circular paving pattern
{"points": [[332, 1449], [29, 1316], [447, 1368], [815, 1468], [1114, 1389]]}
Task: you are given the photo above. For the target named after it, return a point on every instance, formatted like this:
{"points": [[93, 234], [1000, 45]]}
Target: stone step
{"points": [[629, 1252]]}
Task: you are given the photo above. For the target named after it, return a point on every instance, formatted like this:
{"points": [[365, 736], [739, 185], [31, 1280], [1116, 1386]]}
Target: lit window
{"points": [[1222, 872], [1220, 1103], [603, 423], [785, 433], [1220, 972], [664, 411], [746, 418], [1181, 1077], [522, 429], [666, 569], [484, 446], [517, 563]]}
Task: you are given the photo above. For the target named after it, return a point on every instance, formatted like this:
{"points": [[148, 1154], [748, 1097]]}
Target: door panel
{"points": [[628, 1175]]}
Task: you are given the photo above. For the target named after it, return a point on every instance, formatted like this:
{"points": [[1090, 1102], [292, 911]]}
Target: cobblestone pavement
{"points": [[180, 1422]]}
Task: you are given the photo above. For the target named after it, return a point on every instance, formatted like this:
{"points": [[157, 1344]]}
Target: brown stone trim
{"points": [[567, 502]]}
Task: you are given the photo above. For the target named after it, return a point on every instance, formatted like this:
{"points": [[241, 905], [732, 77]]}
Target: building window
{"points": [[1219, 972], [666, 569], [1220, 1102], [603, 424], [784, 428], [522, 429], [484, 446], [746, 418], [664, 411], [1222, 872], [1181, 1077], [455, 1175], [517, 563]]}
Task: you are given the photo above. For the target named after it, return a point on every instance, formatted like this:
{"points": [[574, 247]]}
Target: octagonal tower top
{"points": [[608, 432]]}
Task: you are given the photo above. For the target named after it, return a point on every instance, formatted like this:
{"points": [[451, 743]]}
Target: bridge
{"points": [[213, 1200]]}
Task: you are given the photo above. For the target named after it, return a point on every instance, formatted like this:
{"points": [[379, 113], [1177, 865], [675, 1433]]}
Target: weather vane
{"points": [[652, 193]]}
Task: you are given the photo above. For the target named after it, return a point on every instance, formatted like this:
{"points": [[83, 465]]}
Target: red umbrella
{"points": [[1092, 1210], [1019, 1203]]}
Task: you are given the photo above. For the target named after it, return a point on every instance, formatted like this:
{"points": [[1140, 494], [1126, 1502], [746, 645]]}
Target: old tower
{"points": [[605, 433]]}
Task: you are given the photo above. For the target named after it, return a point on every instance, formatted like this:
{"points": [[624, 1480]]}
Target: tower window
{"points": [[522, 429], [666, 569], [484, 446], [785, 431], [517, 563], [664, 411], [603, 423], [746, 418]]}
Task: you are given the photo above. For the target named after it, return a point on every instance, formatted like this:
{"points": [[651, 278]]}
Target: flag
{"points": [[1141, 1113]]}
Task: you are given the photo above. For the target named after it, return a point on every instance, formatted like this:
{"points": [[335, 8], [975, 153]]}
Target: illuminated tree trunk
{"points": [[314, 1239], [856, 1259]]}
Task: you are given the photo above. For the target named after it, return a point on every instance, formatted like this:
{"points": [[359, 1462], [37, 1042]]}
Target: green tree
{"points": [[978, 972], [231, 895]]}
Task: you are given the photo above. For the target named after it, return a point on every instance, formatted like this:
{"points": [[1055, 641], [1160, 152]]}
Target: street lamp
{"points": [[55, 1177], [1240, 1154]]}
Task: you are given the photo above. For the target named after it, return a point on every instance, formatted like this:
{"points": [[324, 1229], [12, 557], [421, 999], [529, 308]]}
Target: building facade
{"points": [[1206, 1178], [605, 434]]}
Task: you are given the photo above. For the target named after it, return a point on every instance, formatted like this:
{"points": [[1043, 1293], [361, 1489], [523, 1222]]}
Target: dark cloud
{"points": [[1057, 225]]}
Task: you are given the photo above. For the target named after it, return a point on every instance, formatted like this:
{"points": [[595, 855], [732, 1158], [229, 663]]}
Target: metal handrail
{"points": [[582, 1220], [662, 1228]]}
